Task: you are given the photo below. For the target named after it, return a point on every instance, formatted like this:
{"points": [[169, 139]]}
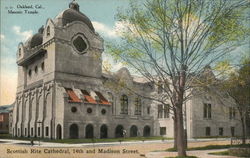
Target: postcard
{"points": [[124, 79]]}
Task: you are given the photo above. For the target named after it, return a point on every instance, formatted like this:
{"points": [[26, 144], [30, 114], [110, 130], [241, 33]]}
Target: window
{"points": [[48, 31], [207, 111], [80, 44], [72, 96], [19, 52], [31, 131], [148, 110], [73, 109], [46, 131], [30, 73], [89, 110], [103, 111], [163, 131], [102, 99], [137, 106], [25, 131], [166, 111], [160, 87], [110, 98], [232, 131], [1, 125], [42, 66], [232, 113], [124, 104], [36, 69], [38, 131], [160, 110], [220, 131], [87, 97], [208, 131], [163, 111]]}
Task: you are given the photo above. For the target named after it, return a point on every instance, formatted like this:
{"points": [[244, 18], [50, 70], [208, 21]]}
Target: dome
{"points": [[36, 40], [73, 14]]}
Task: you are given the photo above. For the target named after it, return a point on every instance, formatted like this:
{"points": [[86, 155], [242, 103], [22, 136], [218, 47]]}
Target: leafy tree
{"points": [[237, 86], [169, 42]]}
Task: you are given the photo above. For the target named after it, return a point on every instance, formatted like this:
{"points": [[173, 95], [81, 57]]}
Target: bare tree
{"points": [[169, 42]]}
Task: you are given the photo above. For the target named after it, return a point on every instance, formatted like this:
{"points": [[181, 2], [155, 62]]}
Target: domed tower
{"points": [[65, 52]]}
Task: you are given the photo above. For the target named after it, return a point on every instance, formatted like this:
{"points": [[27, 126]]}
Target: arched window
{"points": [[73, 131], [104, 131], [89, 131], [111, 100], [133, 131], [124, 104], [48, 31], [138, 106]]}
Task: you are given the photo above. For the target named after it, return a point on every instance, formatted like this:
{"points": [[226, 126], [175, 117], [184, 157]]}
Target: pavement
{"points": [[131, 149]]}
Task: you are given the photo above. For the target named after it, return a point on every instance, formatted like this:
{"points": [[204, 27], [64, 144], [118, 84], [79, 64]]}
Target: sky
{"points": [[16, 28]]}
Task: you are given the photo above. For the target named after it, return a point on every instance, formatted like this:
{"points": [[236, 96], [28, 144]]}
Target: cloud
{"points": [[8, 87], [23, 35], [113, 32], [2, 37], [105, 30]]}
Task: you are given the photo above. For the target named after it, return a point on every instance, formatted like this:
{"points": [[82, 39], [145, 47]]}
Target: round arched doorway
{"points": [[73, 131], [133, 131], [119, 131], [146, 131], [58, 131], [89, 132], [104, 131]]}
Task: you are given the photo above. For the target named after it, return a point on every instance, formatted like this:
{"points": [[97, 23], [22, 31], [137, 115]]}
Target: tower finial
{"points": [[74, 5]]}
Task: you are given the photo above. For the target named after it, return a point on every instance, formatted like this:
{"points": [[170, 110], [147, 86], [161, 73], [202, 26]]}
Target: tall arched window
{"points": [[111, 100], [48, 31], [124, 104], [138, 106]]}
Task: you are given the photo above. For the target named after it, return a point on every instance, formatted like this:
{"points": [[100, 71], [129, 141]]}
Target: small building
{"points": [[6, 118]]}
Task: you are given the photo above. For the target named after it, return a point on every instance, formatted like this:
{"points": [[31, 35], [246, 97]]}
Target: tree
{"points": [[237, 86], [170, 41]]}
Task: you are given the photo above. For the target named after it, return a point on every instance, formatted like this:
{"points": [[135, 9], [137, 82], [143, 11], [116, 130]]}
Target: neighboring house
{"points": [[6, 118], [63, 93]]}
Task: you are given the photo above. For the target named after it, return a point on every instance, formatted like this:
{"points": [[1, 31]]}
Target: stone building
{"points": [[62, 90]]}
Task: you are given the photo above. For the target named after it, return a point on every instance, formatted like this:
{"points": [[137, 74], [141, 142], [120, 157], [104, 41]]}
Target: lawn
{"points": [[210, 147], [75, 141]]}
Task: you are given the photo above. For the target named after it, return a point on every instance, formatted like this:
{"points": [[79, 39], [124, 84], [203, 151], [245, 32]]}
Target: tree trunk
{"points": [[180, 132], [243, 130], [175, 130]]}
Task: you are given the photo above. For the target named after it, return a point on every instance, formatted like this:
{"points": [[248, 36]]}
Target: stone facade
{"points": [[63, 93]]}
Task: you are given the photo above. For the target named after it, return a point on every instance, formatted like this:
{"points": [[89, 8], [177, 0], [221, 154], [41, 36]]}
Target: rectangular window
{"points": [[232, 131], [31, 131], [166, 111], [232, 113], [207, 111], [160, 110], [25, 131], [163, 131], [208, 131], [38, 131], [220, 131], [47, 131], [148, 110], [72, 96]]}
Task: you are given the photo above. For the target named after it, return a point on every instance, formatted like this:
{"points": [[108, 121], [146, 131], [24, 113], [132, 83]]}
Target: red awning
{"points": [[88, 97], [102, 99], [72, 96]]}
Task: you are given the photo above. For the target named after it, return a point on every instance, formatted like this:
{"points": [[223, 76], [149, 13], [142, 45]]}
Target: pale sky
{"points": [[17, 28]]}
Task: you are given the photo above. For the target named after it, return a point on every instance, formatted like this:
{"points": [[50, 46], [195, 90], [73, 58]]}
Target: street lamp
{"points": [[39, 125]]}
